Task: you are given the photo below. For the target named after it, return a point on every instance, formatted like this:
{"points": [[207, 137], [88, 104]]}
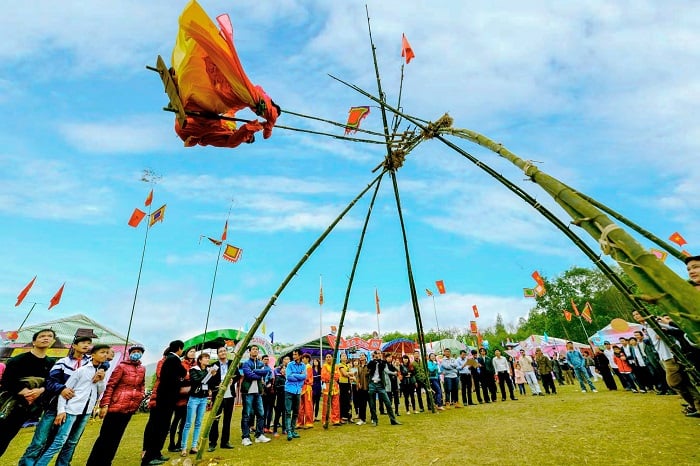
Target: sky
{"points": [[603, 96]]}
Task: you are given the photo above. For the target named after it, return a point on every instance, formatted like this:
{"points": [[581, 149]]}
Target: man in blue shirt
{"points": [[578, 363], [252, 388], [296, 374]]}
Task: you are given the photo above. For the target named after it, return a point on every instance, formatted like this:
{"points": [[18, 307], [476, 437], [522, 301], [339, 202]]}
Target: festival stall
{"points": [[66, 329], [353, 346], [455, 346], [612, 332], [399, 346], [549, 345]]}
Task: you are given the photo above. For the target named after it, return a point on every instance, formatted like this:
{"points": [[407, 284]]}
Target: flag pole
{"points": [[138, 280], [320, 318], [26, 317], [376, 297], [216, 269], [436, 320], [588, 340]]}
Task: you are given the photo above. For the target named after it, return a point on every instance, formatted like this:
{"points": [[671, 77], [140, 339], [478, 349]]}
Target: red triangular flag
{"points": [[149, 199], [678, 239], [567, 315], [538, 278], [57, 297], [23, 293], [406, 50], [225, 233], [136, 217]]}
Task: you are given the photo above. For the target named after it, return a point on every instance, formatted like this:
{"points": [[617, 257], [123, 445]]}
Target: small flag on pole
{"points": [[225, 233], [540, 290], [545, 337], [587, 312], [661, 255], [355, 116], [158, 215], [57, 297], [472, 327], [574, 307], [476, 311], [320, 295], [376, 299], [215, 241], [149, 199], [272, 337], [263, 328], [406, 49], [529, 292], [678, 239], [440, 286], [25, 290], [428, 292], [232, 253], [538, 278], [136, 217], [567, 315]]}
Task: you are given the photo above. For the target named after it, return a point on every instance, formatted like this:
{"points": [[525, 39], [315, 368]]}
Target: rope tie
{"points": [[606, 244]]}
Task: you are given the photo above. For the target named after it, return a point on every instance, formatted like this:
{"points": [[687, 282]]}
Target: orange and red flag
{"points": [[136, 217], [440, 286], [25, 290], [57, 297], [376, 299], [575, 308], [476, 310], [678, 239], [406, 49], [149, 199]]}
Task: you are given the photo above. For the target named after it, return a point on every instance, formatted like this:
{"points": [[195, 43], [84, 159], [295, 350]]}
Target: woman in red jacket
{"points": [[121, 399]]}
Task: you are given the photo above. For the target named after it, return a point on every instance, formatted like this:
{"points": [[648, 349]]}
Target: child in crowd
{"points": [[519, 378]]}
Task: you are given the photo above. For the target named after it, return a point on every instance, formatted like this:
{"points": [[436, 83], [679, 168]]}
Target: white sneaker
{"points": [[583, 391], [360, 422], [246, 442], [408, 412], [261, 439], [594, 390]]}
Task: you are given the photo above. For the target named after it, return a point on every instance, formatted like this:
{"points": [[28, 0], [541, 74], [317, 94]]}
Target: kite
{"points": [[207, 81]]}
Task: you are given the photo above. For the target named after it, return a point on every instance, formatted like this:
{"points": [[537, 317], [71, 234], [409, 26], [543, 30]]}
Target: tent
{"points": [[615, 330], [455, 346], [399, 346], [549, 346], [66, 329], [352, 346]]}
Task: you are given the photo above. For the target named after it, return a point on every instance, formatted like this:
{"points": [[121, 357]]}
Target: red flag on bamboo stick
{"points": [[538, 278], [355, 116], [136, 217], [406, 49], [320, 296], [149, 199], [25, 290], [225, 233], [440, 286], [428, 292], [567, 315], [476, 310], [57, 297], [678, 239], [575, 308], [376, 299]]}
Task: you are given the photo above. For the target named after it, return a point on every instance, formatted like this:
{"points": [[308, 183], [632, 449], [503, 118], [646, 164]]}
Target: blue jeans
{"points": [[451, 389], [43, 435], [66, 439], [582, 375], [252, 403], [437, 391], [380, 391], [196, 408]]}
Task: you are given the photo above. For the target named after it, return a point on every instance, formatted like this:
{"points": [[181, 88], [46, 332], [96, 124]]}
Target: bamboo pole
{"points": [[432, 130], [347, 299], [258, 321]]}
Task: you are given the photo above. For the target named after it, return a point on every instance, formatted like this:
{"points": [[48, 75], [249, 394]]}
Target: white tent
{"points": [[549, 345]]}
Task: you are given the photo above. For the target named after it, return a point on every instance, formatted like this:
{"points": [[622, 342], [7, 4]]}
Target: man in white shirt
{"points": [[72, 415], [502, 369]]}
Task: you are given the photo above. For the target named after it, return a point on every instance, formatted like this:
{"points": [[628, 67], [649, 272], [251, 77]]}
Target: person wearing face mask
{"points": [[120, 401]]}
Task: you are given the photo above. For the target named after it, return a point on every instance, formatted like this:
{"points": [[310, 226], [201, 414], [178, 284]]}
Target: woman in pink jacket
{"points": [[121, 399]]}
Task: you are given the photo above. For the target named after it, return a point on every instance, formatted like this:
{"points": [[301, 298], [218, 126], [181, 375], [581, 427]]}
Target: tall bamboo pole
{"points": [[433, 130], [249, 336], [346, 300]]}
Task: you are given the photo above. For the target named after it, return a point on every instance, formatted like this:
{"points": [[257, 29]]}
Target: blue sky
{"points": [[604, 96]]}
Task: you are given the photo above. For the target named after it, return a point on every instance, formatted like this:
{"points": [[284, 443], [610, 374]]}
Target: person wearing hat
{"points": [[121, 399], [55, 389]]}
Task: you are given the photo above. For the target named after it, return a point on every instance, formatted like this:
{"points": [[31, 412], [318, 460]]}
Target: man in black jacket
{"points": [[487, 374], [376, 369], [224, 365], [172, 372]]}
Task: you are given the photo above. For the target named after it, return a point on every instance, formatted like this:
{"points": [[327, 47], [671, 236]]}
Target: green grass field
{"points": [[571, 428]]}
